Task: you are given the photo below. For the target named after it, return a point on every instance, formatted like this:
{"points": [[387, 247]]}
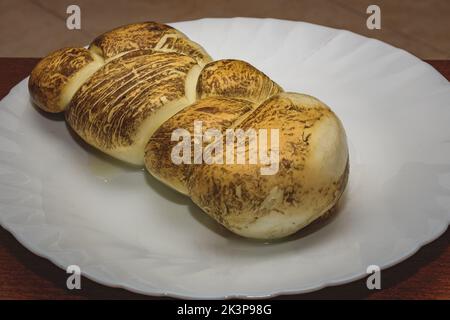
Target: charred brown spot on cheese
{"points": [[52, 73], [235, 79], [215, 113], [111, 107], [147, 35], [239, 195]]}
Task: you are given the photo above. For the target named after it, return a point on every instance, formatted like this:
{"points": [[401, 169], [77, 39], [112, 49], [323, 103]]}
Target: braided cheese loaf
{"points": [[136, 85]]}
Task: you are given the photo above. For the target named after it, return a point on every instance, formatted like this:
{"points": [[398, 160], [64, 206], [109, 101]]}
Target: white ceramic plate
{"points": [[68, 203]]}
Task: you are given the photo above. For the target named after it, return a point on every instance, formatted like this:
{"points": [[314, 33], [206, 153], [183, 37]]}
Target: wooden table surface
{"points": [[23, 275]]}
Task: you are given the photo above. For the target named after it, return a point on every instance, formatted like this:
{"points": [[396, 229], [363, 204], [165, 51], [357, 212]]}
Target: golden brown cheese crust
{"points": [[219, 113], [52, 73], [184, 46], [238, 195], [57, 77], [108, 110], [147, 35], [131, 37], [235, 79]]}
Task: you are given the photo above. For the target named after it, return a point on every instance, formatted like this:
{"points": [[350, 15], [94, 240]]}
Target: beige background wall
{"points": [[32, 28]]}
